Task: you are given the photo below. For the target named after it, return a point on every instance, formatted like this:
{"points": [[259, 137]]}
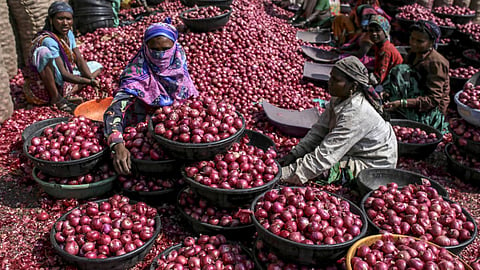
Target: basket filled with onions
{"points": [[115, 233], [147, 155], [468, 102], [206, 18], [465, 136], [150, 189], [67, 149], [237, 177], [306, 225], [93, 184], [372, 178], [27, 132], [390, 251], [418, 210], [459, 15], [415, 139], [459, 76], [197, 129], [463, 165], [206, 218], [205, 252]]}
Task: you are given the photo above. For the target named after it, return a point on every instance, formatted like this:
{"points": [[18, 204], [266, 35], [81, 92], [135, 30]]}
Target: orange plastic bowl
{"points": [[93, 109]]}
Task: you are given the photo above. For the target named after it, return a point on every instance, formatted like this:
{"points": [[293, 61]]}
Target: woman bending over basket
{"points": [[351, 135], [56, 68], [156, 76]]}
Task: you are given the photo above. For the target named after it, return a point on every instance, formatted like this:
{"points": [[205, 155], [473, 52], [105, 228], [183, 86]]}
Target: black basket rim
{"points": [[448, 27], [153, 162], [406, 121], [71, 187], [447, 146], [56, 120], [234, 191], [464, 211], [465, 52], [63, 253], [398, 18], [195, 145], [363, 230], [464, 106], [182, 14], [445, 15], [210, 226]]}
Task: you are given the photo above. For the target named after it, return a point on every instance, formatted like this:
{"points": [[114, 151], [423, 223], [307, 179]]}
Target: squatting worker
{"points": [[156, 76], [352, 134], [56, 69]]}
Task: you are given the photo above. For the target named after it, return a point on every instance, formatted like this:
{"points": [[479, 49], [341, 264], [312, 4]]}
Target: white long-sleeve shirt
{"points": [[350, 132]]}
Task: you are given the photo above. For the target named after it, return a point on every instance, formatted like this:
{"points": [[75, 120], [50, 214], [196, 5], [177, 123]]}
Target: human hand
{"points": [[121, 159], [392, 105], [95, 83], [293, 179], [287, 160]]}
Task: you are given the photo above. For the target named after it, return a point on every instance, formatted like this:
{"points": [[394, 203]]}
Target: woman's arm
{"points": [[82, 64], [69, 77]]}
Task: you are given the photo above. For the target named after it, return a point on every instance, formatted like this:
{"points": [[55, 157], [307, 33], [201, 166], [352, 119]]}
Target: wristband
{"points": [[404, 103]]}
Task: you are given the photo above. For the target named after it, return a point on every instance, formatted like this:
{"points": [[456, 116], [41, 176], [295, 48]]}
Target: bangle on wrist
{"points": [[404, 103]]}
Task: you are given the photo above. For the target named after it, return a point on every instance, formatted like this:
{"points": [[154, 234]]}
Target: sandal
{"points": [[65, 105]]}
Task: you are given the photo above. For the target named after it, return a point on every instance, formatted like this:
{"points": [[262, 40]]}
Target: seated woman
{"points": [[350, 135], [156, 76], [316, 13], [56, 68], [419, 89]]}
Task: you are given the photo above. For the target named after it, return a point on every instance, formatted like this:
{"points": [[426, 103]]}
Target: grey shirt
{"points": [[350, 132]]}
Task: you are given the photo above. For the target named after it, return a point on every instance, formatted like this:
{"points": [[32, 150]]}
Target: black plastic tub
{"points": [[473, 61], [304, 253], [404, 23], [153, 197], [218, 3], [456, 84], [115, 263], [464, 173], [371, 178], [28, 131], [195, 151], [237, 232], [70, 168], [447, 31], [456, 19], [208, 24], [155, 167], [454, 249], [416, 149], [471, 147]]}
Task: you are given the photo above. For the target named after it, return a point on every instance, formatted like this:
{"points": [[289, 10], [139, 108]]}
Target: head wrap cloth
{"points": [[55, 8], [429, 27], [382, 22]]}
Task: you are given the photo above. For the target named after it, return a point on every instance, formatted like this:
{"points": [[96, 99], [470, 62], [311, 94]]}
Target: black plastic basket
{"points": [[466, 174], [371, 178], [454, 249], [472, 147], [456, 84], [456, 19], [28, 131], [416, 149], [470, 60], [155, 167], [114, 263], [195, 151], [447, 31], [225, 3], [208, 24], [304, 253], [70, 168], [404, 23], [237, 232]]}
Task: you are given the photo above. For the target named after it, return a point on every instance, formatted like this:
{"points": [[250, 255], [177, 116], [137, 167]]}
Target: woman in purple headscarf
{"points": [[155, 77]]}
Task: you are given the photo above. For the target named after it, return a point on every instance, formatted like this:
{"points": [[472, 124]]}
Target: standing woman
{"points": [[56, 68], [419, 89], [351, 134], [155, 77]]}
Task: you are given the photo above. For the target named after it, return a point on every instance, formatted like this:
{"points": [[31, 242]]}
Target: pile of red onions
{"points": [[470, 96], [472, 54], [205, 12], [146, 184], [308, 216], [243, 166], [106, 229], [76, 139], [403, 253], [419, 211], [463, 73], [197, 121], [206, 253], [461, 157], [272, 262], [141, 144], [101, 173], [465, 130], [454, 10], [203, 211], [414, 135]]}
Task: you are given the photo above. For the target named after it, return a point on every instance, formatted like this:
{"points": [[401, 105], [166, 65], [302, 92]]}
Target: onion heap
{"points": [[242, 167], [470, 96], [146, 184], [465, 130], [272, 262], [101, 173], [78, 138], [463, 73], [201, 210], [418, 210], [414, 135], [106, 229], [403, 253], [205, 12], [464, 159], [454, 10], [141, 144], [307, 215], [470, 28], [417, 12], [206, 253], [197, 121]]}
